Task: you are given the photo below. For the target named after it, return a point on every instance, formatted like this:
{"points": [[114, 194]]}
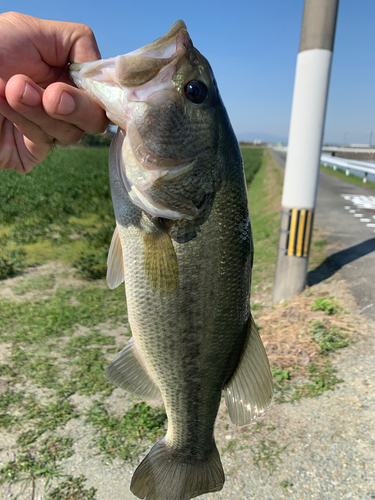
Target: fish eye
{"points": [[196, 91]]}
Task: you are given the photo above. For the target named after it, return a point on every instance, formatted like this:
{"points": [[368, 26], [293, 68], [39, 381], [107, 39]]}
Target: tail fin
{"points": [[162, 477]]}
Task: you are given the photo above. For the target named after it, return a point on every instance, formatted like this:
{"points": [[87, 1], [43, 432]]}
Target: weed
{"points": [[267, 453], [12, 263], [320, 243], [72, 489], [329, 306], [45, 418], [280, 374], [92, 267], [256, 306], [286, 484], [328, 339], [76, 344], [123, 437], [31, 464], [36, 321], [56, 448], [39, 368], [257, 427], [9, 398], [41, 283], [322, 379], [26, 466], [88, 376], [264, 198], [281, 378], [230, 446]]}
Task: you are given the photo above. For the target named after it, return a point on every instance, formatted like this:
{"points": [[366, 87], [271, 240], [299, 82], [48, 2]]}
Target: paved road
{"points": [[349, 222]]}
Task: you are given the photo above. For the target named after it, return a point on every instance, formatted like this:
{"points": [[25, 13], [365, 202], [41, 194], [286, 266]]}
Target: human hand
{"points": [[41, 106]]}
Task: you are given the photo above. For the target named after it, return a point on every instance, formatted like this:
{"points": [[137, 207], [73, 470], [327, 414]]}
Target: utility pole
{"points": [[304, 146]]}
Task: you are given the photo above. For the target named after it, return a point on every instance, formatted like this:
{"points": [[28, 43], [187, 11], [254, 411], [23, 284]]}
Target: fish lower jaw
{"points": [[143, 202]]}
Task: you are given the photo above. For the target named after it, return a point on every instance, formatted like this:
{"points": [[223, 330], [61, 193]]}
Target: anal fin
{"points": [[129, 372], [115, 263], [249, 391]]}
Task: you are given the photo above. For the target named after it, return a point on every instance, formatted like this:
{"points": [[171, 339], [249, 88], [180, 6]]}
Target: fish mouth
{"points": [[108, 78]]}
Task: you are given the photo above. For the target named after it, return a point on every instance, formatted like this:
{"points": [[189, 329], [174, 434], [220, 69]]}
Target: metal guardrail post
{"points": [[305, 142]]}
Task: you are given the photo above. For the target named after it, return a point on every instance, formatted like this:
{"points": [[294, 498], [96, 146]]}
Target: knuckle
{"points": [[69, 135], [85, 31]]}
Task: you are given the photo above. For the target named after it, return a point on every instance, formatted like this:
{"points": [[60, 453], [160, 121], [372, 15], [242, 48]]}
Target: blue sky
{"points": [[252, 47]]}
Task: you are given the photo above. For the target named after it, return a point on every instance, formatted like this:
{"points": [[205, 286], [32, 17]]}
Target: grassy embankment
{"points": [[352, 179], [58, 331]]}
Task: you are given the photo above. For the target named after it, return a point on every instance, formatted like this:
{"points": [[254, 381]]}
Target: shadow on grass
{"points": [[336, 261]]}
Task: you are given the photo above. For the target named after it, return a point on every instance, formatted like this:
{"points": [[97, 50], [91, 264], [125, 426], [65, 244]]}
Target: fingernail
{"points": [[66, 104], [30, 96]]}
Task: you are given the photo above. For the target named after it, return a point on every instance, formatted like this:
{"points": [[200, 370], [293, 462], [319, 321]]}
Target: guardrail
{"points": [[342, 163], [348, 165]]}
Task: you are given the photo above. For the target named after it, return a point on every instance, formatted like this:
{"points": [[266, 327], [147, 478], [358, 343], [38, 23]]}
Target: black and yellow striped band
{"points": [[296, 224]]}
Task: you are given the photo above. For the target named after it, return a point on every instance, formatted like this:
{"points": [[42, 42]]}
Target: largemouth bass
{"points": [[183, 246]]}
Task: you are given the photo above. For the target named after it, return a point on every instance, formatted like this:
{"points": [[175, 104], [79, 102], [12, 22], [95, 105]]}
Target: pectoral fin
{"points": [[115, 263], [129, 372], [160, 260], [249, 392]]}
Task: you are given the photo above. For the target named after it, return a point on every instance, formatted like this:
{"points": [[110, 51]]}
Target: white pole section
{"points": [[304, 146]]}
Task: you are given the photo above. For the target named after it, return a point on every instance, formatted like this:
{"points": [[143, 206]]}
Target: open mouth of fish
{"points": [[144, 75]]}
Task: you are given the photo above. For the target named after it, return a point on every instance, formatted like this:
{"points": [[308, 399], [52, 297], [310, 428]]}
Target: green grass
{"points": [[329, 306], [125, 437], [62, 209], [320, 380], [40, 283], [36, 321], [264, 199], [38, 462], [267, 453], [72, 489], [328, 339], [351, 179], [43, 418], [285, 484], [252, 159]]}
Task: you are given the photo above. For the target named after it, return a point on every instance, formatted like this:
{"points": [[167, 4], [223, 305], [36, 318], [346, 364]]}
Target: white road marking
{"points": [[361, 200]]}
